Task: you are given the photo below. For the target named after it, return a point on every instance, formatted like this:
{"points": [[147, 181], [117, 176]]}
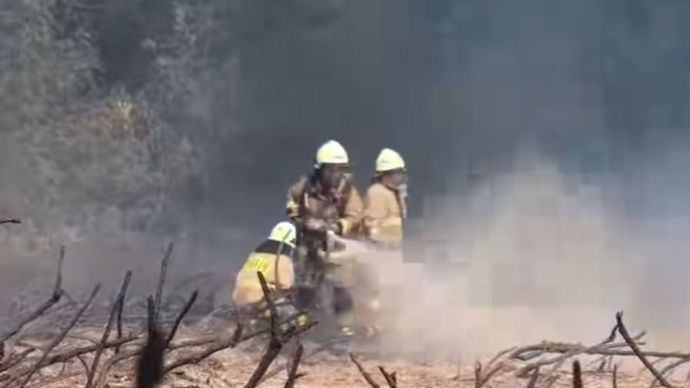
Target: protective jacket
{"points": [[343, 206], [384, 213], [275, 265]]}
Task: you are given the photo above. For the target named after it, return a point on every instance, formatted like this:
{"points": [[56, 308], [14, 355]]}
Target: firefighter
{"points": [[385, 207], [274, 259], [326, 201], [385, 210]]}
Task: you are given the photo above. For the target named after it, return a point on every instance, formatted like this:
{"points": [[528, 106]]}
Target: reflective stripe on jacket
{"points": [[247, 285]]}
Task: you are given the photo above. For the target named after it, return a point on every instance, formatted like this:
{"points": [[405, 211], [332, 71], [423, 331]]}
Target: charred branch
{"points": [[533, 380], [216, 346], [60, 337], [15, 359], [292, 373], [577, 375], [367, 377], [278, 337], [391, 378], [638, 352], [119, 300], [76, 352], [614, 377], [180, 317], [54, 298], [481, 379], [574, 351], [280, 368], [669, 368], [161, 280], [607, 349], [273, 314], [272, 351], [150, 363], [120, 308]]}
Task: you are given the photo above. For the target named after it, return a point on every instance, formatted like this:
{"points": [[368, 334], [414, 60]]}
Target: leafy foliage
{"points": [[104, 156]]}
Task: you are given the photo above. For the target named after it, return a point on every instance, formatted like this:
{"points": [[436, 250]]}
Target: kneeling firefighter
{"points": [[322, 203], [274, 259]]}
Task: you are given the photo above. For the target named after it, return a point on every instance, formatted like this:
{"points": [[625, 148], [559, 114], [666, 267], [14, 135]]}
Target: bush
{"points": [[104, 157]]}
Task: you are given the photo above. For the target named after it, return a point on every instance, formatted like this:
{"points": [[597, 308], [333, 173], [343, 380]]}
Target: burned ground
{"points": [[66, 342]]}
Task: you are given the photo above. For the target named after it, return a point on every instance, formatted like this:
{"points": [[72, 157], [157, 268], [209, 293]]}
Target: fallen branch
{"points": [[69, 354], [16, 359], [161, 280], [670, 368], [499, 355], [152, 337], [534, 351], [273, 313], [150, 363], [217, 346], [653, 362], [363, 372], [56, 379], [54, 298], [481, 379], [560, 360], [569, 350], [120, 308], [577, 375], [614, 377], [155, 316], [320, 348], [214, 339], [15, 221], [638, 353], [629, 353], [62, 335], [292, 373], [391, 378], [180, 317], [83, 364], [272, 351], [278, 337], [119, 300], [533, 380]]}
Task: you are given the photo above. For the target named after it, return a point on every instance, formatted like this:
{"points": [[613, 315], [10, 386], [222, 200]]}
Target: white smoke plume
{"points": [[532, 256]]}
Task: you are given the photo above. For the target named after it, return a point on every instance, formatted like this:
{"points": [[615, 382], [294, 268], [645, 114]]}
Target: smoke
{"points": [[575, 211], [531, 259]]}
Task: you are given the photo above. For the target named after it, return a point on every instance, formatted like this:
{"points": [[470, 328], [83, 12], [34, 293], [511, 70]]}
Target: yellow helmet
{"points": [[389, 160], [331, 152], [284, 232]]}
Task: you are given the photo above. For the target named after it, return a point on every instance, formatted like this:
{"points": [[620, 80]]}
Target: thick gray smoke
{"points": [[535, 131]]}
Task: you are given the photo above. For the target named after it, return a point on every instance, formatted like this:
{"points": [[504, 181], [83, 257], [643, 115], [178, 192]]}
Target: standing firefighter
{"points": [[385, 210], [326, 202], [273, 258], [385, 201]]}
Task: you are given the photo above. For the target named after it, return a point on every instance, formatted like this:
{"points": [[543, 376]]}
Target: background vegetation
{"points": [[106, 115]]}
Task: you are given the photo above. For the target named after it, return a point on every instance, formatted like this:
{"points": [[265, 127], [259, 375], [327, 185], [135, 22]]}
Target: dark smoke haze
{"points": [[599, 88], [593, 95]]}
